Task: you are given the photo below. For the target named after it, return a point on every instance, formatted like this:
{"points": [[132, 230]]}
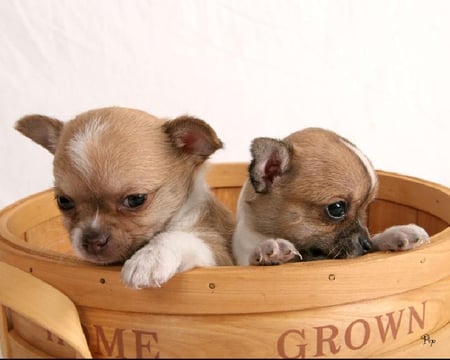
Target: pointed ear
{"points": [[193, 136], [270, 158], [41, 129]]}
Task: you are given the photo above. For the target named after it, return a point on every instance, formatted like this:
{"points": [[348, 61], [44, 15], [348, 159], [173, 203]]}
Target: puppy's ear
{"points": [[270, 158], [192, 136], [41, 129]]}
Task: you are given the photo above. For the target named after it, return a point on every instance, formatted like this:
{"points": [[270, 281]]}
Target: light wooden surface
{"points": [[392, 299], [41, 304]]}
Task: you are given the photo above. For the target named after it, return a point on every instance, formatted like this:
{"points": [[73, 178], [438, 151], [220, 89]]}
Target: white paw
{"points": [[401, 237], [274, 252], [149, 267]]}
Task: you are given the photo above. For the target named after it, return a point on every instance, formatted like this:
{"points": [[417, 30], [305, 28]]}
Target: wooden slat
{"points": [[228, 196], [261, 335], [248, 289], [415, 193], [383, 214], [20, 349], [26, 216], [436, 346], [227, 174], [4, 329], [431, 223], [39, 338], [50, 235], [42, 304]]}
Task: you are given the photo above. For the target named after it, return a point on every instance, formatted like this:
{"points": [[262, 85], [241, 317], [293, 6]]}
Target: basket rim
{"points": [[260, 289]]}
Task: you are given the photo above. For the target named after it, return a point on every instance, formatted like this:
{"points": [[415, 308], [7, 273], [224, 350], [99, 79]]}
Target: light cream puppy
{"points": [[131, 190], [306, 198]]}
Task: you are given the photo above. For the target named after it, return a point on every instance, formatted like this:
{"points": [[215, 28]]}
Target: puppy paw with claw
{"points": [[148, 267], [165, 255], [400, 238], [275, 252]]}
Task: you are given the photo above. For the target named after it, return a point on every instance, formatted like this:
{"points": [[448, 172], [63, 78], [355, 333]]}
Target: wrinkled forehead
{"points": [[332, 164], [101, 150]]}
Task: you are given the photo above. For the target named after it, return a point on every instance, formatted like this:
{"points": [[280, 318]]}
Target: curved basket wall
{"points": [[379, 305]]}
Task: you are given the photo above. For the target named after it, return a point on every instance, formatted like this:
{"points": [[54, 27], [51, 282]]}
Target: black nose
{"points": [[94, 241], [366, 244]]}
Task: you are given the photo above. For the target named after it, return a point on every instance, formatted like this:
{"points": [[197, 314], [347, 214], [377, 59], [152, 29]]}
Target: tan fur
{"points": [[215, 216], [315, 167], [103, 155], [291, 184]]}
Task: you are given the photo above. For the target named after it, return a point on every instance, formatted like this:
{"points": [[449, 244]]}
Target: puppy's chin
{"points": [[104, 248]]}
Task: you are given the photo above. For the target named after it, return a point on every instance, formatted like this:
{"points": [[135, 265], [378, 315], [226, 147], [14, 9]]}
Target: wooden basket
{"points": [[378, 305]]}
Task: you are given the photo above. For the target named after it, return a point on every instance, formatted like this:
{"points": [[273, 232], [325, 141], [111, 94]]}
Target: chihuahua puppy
{"points": [[306, 198], [131, 190]]}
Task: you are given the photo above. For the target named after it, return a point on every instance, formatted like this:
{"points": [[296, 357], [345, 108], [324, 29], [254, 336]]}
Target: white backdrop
{"points": [[377, 72]]}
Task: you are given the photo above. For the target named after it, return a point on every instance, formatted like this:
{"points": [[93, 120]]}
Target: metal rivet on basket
{"points": [[212, 285], [331, 277], [422, 260], [102, 281]]}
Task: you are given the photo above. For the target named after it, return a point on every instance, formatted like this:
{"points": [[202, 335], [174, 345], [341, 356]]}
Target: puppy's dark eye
{"points": [[337, 210], [64, 202], [134, 201]]}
